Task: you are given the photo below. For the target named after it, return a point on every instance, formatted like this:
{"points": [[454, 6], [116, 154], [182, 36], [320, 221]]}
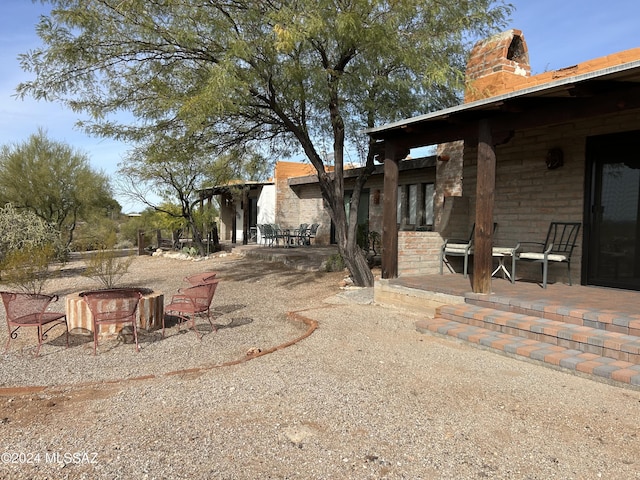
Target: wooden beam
{"points": [[485, 193]]}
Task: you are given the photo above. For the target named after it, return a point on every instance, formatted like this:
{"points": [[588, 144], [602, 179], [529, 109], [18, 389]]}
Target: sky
{"points": [[558, 33]]}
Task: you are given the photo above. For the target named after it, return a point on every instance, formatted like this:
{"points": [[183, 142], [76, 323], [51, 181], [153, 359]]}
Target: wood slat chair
{"points": [[113, 306], [557, 247], [190, 302], [30, 310]]}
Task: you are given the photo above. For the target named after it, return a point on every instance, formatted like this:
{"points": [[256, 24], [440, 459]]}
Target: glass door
{"points": [[613, 256]]}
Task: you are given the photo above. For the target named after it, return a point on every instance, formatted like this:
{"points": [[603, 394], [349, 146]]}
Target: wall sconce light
{"points": [[555, 158], [376, 197], [443, 158]]}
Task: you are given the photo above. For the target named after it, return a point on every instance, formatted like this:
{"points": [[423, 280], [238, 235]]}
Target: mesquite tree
{"points": [[293, 75]]}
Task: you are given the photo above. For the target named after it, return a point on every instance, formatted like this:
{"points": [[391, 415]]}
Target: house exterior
{"points": [[245, 205], [293, 197], [523, 151]]}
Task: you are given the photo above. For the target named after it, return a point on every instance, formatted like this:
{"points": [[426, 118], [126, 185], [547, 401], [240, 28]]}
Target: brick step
{"points": [[586, 339], [601, 367], [595, 317]]}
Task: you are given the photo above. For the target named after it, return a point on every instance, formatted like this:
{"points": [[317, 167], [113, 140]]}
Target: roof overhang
{"points": [[408, 164], [591, 94], [232, 187]]}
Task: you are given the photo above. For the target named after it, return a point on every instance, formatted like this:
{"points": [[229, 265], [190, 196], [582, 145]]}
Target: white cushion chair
{"points": [[558, 247]]}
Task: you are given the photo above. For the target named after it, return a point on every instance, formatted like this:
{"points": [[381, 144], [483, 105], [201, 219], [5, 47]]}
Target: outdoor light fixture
{"points": [[555, 158]]}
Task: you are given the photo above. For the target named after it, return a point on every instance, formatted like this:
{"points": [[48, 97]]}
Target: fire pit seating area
{"points": [[107, 312]]}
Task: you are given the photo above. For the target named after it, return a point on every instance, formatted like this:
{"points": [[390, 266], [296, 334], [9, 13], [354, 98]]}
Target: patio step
{"points": [[608, 355], [610, 319]]}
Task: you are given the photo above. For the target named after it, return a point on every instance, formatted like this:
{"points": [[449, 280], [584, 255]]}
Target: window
{"points": [[415, 206]]}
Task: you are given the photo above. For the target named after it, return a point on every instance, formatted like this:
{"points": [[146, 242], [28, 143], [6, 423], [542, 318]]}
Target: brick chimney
{"points": [[497, 65]]}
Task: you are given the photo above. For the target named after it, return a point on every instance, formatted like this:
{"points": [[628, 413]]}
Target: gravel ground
{"points": [[363, 397]]}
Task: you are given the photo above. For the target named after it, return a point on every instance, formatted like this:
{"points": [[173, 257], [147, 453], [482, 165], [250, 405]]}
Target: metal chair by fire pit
{"points": [[29, 310], [113, 306], [190, 302]]}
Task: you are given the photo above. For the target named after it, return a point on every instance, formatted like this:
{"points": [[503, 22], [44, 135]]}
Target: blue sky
{"points": [[559, 33]]}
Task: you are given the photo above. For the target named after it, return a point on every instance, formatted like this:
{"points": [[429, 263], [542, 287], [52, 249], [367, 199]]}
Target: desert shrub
{"points": [[28, 268], [107, 265], [335, 263], [23, 229]]}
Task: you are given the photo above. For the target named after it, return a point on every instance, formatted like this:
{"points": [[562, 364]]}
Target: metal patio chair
{"points": [[190, 302], [310, 234], [113, 306], [557, 247], [30, 310], [459, 248]]}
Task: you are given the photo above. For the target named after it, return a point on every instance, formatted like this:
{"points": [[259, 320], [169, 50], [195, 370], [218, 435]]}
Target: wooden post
{"points": [[392, 155], [140, 242], [245, 215], [485, 193]]}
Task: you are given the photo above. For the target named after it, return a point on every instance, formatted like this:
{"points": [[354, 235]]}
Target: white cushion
{"points": [[456, 249], [554, 257]]}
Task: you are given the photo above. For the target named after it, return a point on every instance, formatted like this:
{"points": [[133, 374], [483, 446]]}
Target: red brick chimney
{"points": [[497, 65]]}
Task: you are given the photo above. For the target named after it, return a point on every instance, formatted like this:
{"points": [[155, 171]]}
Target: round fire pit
{"points": [[149, 314]]}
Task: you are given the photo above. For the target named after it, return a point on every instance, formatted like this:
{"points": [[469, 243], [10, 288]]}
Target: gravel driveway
{"points": [[364, 396]]}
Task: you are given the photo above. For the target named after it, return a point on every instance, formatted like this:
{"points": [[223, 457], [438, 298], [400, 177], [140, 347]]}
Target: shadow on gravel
{"points": [[236, 322], [220, 310]]}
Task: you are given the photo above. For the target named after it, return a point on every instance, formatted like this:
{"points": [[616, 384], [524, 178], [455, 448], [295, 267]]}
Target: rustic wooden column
{"points": [[392, 155], [141, 242], [485, 193], [245, 215]]}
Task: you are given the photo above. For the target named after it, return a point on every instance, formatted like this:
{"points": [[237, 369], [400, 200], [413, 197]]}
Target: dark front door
{"points": [[613, 228]]}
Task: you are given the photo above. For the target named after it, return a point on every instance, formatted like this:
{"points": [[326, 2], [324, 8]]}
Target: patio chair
{"points": [[200, 278], [459, 248], [30, 310], [268, 234], [311, 233], [280, 233], [113, 306], [299, 233], [190, 302], [558, 247]]}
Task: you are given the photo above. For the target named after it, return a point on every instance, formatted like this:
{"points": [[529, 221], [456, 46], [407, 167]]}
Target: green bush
{"points": [[28, 268], [335, 263], [107, 265]]}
